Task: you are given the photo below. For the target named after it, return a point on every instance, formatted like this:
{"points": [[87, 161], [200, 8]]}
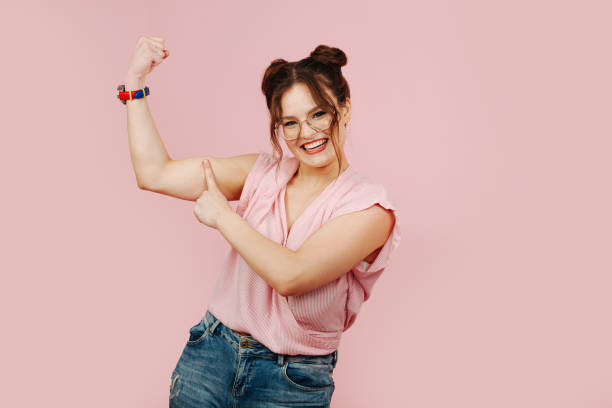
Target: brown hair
{"points": [[321, 69]]}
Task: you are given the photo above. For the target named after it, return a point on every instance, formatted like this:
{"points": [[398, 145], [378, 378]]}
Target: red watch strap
{"points": [[124, 95]]}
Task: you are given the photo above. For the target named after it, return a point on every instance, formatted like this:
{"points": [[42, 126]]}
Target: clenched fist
{"points": [[212, 203], [149, 53]]}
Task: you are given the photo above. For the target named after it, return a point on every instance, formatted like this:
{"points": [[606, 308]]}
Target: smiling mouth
{"points": [[316, 142]]}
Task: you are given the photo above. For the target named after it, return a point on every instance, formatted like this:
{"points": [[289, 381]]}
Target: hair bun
{"points": [[274, 67], [329, 55]]}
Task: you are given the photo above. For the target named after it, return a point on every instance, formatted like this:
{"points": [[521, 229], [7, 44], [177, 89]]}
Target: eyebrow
{"points": [[316, 107]]}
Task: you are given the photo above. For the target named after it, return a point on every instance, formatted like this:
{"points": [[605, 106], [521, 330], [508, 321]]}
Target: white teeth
{"points": [[314, 145]]}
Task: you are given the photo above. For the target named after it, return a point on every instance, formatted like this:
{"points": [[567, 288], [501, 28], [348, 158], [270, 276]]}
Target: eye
{"points": [[289, 124], [315, 115]]}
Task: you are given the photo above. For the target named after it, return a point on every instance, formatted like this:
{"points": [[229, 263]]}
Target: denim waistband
{"points": [[249, 345]]}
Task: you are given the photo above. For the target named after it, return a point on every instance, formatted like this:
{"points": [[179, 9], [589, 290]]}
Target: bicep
{"points": [[185, 178], [340, 244]]}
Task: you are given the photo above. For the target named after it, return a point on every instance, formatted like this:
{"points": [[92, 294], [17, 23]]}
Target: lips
{"points": [[312, 141]]}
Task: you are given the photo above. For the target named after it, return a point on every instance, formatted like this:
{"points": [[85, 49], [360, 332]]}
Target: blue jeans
{"points": [[222, 368]]}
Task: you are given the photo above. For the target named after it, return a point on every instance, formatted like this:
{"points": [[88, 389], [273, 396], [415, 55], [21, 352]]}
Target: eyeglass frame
{"points": [[299, 122]]}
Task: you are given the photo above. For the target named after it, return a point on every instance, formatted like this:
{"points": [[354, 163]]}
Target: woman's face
{"points": [[297, 102]]}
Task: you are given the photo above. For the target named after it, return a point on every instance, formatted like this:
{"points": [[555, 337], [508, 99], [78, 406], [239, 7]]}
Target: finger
{"points": [[210, 177], [159, 48], [155, 44], [157, 59], [156, 48], [156, 39]]}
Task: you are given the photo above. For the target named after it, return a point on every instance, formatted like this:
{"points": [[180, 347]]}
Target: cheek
{"points": [[291, 145]]}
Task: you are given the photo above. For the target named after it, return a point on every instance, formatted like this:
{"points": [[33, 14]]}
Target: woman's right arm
{"points": [[156, 171], [147, 150], [153, 167]]}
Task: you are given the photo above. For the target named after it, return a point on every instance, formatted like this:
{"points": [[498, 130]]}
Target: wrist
{"points": [[133, 82], [225, 219]]}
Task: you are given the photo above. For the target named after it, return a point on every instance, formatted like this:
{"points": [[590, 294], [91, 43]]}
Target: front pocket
{"points": [[308, 377], [197, 334]]}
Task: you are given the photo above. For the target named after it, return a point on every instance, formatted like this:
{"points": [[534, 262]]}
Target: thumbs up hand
{"points": [[212, 203]]}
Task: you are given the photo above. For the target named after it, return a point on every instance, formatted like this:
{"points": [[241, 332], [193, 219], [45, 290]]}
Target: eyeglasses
{"points": [[290, 127]]}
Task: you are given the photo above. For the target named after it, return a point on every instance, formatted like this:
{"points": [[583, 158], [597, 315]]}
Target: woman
{"points": [[309, 236]]}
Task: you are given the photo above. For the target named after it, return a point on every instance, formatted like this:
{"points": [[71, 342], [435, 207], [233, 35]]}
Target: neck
{"points": [[318, 177]]}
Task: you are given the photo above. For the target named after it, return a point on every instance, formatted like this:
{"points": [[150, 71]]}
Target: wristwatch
{"points": [[124, 95]]}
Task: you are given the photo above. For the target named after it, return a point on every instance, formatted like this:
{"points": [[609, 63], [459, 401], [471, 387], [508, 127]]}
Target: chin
{"points": [[322, 161], [325, 156]]}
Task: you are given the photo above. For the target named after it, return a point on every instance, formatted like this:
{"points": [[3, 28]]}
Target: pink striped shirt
{"points": [[312, 323]]}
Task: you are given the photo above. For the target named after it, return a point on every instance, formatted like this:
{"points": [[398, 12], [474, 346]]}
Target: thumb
{"points": [[210, 176]]}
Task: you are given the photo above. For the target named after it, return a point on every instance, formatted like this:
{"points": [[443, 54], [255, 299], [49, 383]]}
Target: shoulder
{"points": [[366, 208], [264, 161], [257, 164], [373, 218], [367, 204], [360, 193], [261, 174], [260, 160]]}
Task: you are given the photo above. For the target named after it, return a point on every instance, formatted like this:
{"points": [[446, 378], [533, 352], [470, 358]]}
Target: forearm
{"points": [[147, 150], [276, 264]]}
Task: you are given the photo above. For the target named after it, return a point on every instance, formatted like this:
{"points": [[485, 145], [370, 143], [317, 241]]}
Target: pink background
{"points": [[489, 122]]}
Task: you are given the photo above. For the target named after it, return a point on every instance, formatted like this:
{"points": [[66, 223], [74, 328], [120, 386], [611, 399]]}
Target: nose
{"points": [[306, 131]]}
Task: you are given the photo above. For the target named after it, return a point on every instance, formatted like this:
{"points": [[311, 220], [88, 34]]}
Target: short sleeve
{"points": [[364, 197], [264, 162]]}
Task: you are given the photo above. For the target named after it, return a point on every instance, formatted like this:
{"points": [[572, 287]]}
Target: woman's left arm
{"points": [[270, 260], [318, 261], [327, 254]]}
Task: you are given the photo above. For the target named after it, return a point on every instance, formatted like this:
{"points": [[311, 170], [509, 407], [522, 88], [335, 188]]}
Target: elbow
{"points": [[142, 184], [291, 283], [285, 289], [288, 287]]}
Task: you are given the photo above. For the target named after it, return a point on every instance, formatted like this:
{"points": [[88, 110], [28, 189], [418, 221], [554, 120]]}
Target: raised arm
{"points": [[154, 169], [147, 150]]}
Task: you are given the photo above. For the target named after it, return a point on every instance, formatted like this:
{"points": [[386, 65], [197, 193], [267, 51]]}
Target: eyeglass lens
{"points": [[319, 119]]}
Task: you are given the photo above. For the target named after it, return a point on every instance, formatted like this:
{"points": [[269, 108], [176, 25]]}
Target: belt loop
{"points": [[211, 319], [335, 357], [212, 328], [280, 360]]}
